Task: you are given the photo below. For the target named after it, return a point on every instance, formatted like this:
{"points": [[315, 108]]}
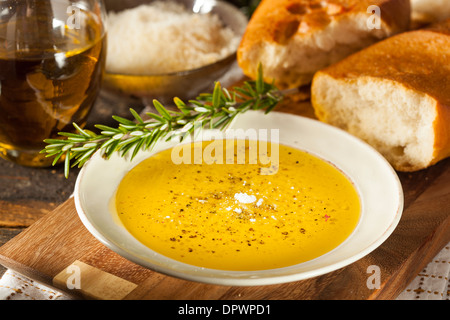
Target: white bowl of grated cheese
{"points": [[165, 49]]}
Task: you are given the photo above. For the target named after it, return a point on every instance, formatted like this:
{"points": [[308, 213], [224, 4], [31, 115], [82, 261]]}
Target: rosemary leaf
{"points": [[136, 116], [162, 111], [123, 120], [84, 133], [217, 95]]}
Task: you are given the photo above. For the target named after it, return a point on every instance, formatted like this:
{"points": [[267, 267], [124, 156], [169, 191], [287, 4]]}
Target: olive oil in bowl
{"points": [[230, 217]]}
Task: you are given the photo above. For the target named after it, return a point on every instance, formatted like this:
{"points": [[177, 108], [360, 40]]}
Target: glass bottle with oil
{"points": [[52, 56]]}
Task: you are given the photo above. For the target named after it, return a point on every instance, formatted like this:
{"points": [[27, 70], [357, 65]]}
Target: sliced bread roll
{"points": [[395, 95], [295, 38], [429, 11]]}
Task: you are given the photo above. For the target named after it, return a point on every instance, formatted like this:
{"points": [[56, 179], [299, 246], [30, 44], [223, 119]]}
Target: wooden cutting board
{"points": [[57, 249]]}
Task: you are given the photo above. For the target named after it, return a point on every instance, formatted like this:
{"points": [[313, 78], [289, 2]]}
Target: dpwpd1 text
{"points": [[226, 309]]}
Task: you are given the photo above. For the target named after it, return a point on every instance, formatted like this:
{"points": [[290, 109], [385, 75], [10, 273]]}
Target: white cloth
{"points": [[430, 284], [14, 286]]}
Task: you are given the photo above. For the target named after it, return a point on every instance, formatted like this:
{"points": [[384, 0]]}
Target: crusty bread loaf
{"points": [[395, 95], [429, 11], [295, 38]]}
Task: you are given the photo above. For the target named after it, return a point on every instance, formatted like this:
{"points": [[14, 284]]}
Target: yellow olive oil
{"points": [[230, 217]]}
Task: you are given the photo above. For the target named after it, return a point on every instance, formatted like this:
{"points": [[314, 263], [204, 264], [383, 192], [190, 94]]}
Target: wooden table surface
{"points": [[27, 194]]}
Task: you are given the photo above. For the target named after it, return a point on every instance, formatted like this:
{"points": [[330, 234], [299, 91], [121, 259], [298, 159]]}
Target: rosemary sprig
{"points": [[210, 110]]}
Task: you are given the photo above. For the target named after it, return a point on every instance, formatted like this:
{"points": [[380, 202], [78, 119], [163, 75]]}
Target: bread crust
{"points": [[442, 133], [277, 22], [417, 61]]}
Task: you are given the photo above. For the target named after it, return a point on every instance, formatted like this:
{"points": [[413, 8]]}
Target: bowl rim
{"points": [[262, 277], [227, 59]]}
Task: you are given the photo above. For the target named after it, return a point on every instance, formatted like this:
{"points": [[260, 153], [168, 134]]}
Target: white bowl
{"points": [[378, 186]]}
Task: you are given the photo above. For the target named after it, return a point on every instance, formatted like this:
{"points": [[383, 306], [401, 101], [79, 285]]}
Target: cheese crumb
{"points": [[244, 198]]}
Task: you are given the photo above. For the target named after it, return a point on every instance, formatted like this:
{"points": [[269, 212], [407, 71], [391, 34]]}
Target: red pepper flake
{"points": [[327, 217]]}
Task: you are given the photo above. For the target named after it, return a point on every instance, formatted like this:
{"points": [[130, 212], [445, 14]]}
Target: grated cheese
{"points": [[163, 37]]}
